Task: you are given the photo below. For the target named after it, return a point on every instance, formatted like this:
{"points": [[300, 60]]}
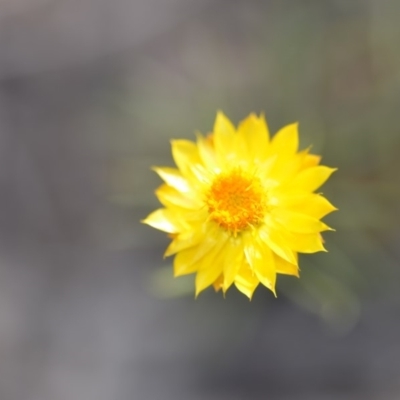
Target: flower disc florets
{"points": [[236, 201]]}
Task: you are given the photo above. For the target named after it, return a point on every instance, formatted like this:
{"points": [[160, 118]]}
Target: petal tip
{"points": [[249, 295], [220, 114], [197, 293], [145, 221]]}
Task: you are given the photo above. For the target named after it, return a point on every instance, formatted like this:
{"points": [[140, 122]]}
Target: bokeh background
{"points": [[91, 92]]}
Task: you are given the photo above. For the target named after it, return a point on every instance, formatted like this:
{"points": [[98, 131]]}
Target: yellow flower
{"points": [[240, 206]]}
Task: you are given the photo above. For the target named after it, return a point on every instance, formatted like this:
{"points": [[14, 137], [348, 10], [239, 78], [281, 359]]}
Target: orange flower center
{"points": [[236, 201]]}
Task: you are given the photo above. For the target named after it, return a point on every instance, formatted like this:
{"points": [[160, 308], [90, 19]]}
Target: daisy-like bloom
{"points": [[240, 206]]}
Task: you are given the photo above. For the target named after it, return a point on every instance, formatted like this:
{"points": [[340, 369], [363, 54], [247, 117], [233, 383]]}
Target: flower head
{"points": [[240, 206]]}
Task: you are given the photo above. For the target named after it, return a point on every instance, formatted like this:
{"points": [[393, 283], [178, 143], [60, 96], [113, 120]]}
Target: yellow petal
{"points": [[261, 261], [185, 154], [218, 283], [311, 160], [207, 153], [183, 261], [165, 220], [173, 177], [286, 168], [263, 170], [169, 196], [224, 134], [284, 198], [311, 179], [273, 238], [254, 132], [188, 258], [232, 262], [223, 128], [210, 266], [284, 267], [286, 141], [305, 243], [296, 222], [206, 277], [314, 205], [200, 176], [246, 281], [185, 240]]}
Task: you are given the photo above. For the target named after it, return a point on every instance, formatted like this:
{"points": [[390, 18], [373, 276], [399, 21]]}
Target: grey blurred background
{"points": [[91, 92]]}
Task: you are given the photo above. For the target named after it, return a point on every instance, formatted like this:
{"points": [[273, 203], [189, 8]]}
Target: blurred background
{"points": [[91, 92]]}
